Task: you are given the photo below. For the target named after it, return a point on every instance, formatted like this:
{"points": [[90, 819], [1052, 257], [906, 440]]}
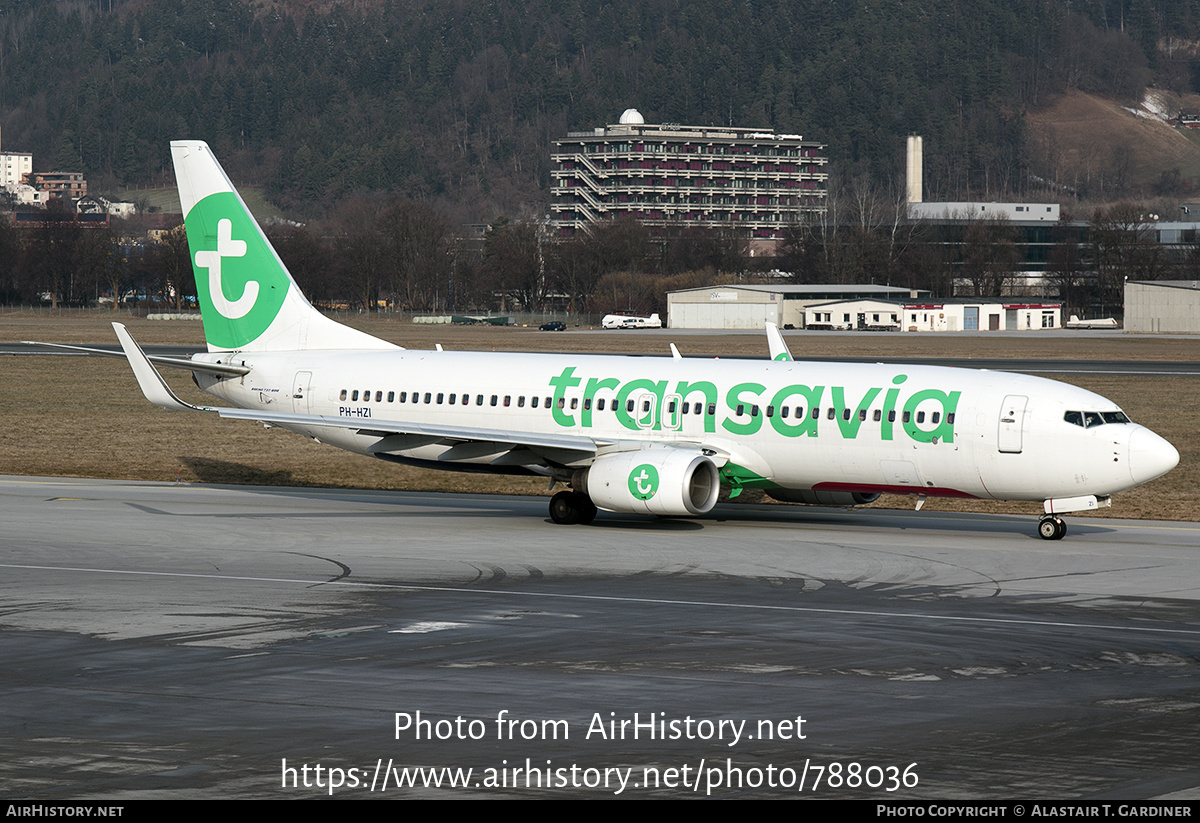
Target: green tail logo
{"points": [[240, 282]]}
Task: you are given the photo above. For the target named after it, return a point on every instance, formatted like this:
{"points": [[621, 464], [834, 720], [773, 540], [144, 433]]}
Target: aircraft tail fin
{"points": [[248, 299]]}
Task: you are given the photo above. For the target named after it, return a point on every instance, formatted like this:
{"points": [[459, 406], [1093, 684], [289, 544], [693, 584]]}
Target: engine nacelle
{"points": [[822, 498], [653, 481]]}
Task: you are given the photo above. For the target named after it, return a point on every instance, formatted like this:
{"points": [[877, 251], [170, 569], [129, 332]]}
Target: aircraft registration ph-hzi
{"points": [[632, 434]]}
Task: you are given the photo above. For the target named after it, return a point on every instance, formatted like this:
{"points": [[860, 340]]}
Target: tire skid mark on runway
{"points": [[345, 569], [707, 604]]}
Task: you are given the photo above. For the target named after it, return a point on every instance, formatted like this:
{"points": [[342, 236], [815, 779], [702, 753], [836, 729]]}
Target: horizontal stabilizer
{"points": [[149, 380], [222, 369]]}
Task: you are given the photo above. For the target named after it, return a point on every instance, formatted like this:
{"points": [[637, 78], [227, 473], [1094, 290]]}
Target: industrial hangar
{"points": [[862, 307], [1162, 306], [751, 307]]}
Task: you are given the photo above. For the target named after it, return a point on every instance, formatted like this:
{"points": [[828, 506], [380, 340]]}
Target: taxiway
{"points": [[184, 641]]}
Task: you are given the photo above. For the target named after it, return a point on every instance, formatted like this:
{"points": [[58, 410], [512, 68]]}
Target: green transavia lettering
{"points": [[925, 416]]}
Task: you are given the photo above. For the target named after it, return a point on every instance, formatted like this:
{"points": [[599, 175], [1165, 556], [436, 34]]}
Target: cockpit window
{"points": [[1089, 419]]}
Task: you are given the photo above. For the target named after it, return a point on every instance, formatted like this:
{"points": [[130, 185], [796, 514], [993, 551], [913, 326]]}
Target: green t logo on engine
{"points": [[643, 482]]}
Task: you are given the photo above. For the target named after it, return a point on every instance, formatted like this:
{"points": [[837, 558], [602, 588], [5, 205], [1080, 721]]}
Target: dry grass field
{"points": [[85, 417]]}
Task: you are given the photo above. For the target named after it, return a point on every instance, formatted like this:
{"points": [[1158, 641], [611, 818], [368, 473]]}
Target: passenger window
{"points": [[379, 397], [428, 397], [950, 418], [562, 402], [740, 409], [403, 397], [936, 417], [712, 408], [845, 414], [629, 406], [391, 397], [671, 407], [892, 416], [920, 417], [507, 400], [521, 402], [533, 401], [877, 416], [574, 403], [905, 417], [832, 413], [599, 403], [496, 399], [343, 395], [754, 411], [816, 413], [453, 398], [862, 415], [441, 398], [783, 411], [354, 395], [696, 408]]}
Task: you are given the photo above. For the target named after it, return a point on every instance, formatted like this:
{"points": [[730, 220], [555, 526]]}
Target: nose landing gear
{"points": [[1052, 528]]}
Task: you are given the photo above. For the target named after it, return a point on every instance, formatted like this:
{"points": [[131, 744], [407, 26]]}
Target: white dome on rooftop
{"points": [[632, 117]]}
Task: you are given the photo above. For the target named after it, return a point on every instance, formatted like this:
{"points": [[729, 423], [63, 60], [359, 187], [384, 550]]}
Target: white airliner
{"points": [[632, 434]]}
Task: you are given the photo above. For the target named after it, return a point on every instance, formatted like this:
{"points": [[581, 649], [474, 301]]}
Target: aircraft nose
{"points": [[1150, 456]]}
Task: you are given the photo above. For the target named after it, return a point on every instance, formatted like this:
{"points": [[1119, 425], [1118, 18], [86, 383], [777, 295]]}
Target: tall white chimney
{"points": [[915, 163]]}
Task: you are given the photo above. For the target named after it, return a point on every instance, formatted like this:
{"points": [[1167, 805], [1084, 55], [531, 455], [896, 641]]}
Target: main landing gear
{"points": [[568, 508], [1052, 528]]}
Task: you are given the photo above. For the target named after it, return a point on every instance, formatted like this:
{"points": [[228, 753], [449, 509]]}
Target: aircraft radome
{"points": [[632, 434]]}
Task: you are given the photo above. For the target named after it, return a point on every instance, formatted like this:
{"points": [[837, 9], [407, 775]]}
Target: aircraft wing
{"points": [[383, 428]]}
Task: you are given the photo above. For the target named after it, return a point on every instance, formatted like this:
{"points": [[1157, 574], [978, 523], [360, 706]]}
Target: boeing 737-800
{"points": [[632, 434]]}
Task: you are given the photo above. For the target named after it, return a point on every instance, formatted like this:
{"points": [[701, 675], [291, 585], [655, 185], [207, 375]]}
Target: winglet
{"points": [[150, 381], [779, 349]]}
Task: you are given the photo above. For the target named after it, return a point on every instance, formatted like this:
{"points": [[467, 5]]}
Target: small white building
{"points": [[870, 315], [962, 315]]}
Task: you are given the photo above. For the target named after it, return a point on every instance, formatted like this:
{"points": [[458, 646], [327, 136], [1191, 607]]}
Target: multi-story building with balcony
{"points": [[671, 177], [64, 185]]}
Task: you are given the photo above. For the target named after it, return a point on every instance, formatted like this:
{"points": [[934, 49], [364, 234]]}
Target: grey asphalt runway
{"points": [[165, 641]]}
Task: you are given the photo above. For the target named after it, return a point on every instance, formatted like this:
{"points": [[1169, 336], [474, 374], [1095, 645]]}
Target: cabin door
{"points": [[1012, 421]]}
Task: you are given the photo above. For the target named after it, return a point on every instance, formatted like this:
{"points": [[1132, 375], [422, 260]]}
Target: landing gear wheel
{"points": [[587, 509], [1052, 528], [564, 508], [568, 508]]}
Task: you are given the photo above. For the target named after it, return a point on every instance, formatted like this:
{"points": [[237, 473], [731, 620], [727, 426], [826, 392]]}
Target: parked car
{"points": [[553, 325]]}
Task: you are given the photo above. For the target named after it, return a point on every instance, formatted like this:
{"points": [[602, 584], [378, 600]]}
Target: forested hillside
{"points": [[458, 101]]}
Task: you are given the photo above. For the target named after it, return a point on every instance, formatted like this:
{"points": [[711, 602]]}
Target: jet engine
{"points": [[663, 481]]}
